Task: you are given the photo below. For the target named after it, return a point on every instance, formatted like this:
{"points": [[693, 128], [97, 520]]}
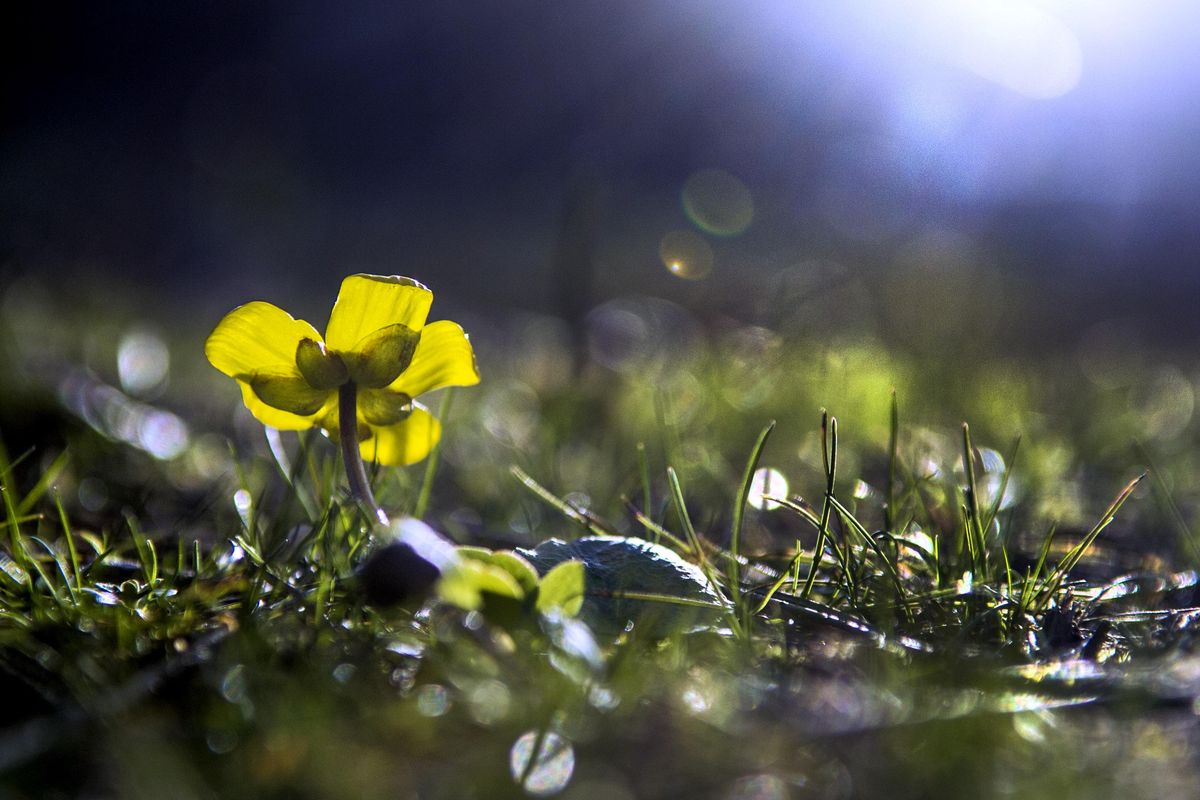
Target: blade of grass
{"points": [[147, 554], [1075, 554], [684, 519], [291, 471], [739, 510], [994, 508], [794, 565], [889, 508], [577, 515], [43, 484], [62, 571], [431, 463], [976, 546], [644, 471], [705, 565], [1189, 539], [654, 597], [20, 555], [659, 531], [871, 541], [21, 520], [829, 460], [69, 536]]}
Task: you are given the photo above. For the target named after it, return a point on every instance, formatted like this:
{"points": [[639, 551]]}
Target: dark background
{"points": [[532, 154]]}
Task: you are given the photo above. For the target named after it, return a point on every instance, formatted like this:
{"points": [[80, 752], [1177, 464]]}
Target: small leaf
{"points": [[457, 589], [466, 584], [515, 565], [471, 551], [562, 588], [518, 567]]}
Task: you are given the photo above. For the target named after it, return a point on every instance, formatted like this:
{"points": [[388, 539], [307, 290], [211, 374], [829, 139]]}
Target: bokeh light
{"points": [[718, 202], [1013, 43], [142, 361], [546, 772], [686, 255], [767, 483], [759, 787], [1164, 402], [641, 335]]}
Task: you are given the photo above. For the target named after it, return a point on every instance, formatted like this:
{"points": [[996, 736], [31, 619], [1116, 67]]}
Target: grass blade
{"points": [[1076, 553], [739, 509], [43, 483], [577, 515], [889, 509], [829, 459], [686, 521], [431, 463]]}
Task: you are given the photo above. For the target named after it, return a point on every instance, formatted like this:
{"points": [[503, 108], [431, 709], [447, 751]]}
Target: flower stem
{"points": [[356, 473]]}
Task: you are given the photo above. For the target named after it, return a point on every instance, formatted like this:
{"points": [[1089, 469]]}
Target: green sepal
{"points": [[378, 358], [290, 393], [379, 407], [321, 368]]}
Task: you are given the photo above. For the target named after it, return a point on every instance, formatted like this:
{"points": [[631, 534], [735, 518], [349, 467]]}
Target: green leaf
{"points": [[562, 588], [465, 584], [515, 565], [521, 570]]}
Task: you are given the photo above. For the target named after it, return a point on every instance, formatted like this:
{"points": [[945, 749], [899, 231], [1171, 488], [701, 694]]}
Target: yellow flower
{"points": [[377, 349]]}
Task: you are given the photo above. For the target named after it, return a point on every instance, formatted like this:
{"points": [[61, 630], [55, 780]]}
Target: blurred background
{"points": [[1037, 157], [991, 206]]}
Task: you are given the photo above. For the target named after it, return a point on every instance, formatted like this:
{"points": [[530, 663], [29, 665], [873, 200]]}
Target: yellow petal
{"points": [[406, 442], [367, 303], [257, 338], [282, 420], [444, 358]]}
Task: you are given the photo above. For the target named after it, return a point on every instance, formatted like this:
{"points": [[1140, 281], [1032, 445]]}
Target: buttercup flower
{"points": [[377, 354]]}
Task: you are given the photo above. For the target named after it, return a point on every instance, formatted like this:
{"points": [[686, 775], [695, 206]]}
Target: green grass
{"points": [[895, 627]]}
